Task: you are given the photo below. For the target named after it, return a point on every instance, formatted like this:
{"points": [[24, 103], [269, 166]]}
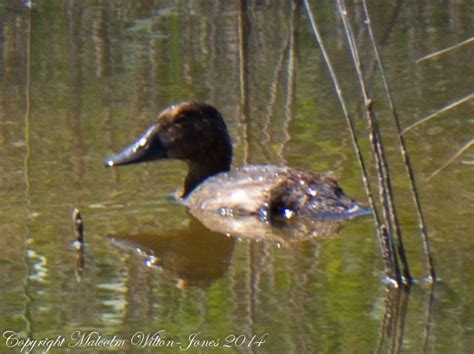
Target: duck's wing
{"points": [[306, 193]]}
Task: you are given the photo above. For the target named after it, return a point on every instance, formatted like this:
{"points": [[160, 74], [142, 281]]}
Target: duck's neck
{"points": [[199, 172]]}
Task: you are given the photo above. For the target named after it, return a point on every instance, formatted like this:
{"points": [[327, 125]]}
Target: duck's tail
{"points": [[355, 209], [342, 212]]}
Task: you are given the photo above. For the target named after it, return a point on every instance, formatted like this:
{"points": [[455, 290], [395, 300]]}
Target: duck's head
{"points": [[193, 132]]}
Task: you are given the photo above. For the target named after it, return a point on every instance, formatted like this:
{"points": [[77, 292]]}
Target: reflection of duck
{"points": [[196, 133], [193, 256]]}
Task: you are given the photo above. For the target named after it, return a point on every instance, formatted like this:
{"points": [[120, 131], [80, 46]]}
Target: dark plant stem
{"points": [[390, 262], [383, 173], [404, 152]]}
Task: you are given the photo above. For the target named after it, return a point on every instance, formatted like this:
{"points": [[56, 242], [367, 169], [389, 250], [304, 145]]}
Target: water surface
{"points": [[79, 80]]}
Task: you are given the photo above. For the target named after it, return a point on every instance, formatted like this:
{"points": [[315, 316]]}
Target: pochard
{"points": [[196, 133]]}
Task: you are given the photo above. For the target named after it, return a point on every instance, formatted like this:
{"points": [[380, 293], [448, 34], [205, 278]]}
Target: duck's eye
{"points": [[179, 119]]}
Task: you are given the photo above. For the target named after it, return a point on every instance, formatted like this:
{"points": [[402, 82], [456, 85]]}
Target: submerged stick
{"points": [[383, 237], [78, 226], [78, 243], [403, 150], [443, 51], [438, 112]]}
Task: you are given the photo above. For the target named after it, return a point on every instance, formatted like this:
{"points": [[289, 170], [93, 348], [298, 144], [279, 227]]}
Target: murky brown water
{"points": [[89, 76]]}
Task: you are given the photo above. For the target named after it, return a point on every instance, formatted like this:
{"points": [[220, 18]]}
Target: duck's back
{"points": [[270, 190]]}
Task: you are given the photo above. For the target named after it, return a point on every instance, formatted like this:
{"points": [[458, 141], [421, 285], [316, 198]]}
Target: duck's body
{"points": [[269, 190], [196, 133]]}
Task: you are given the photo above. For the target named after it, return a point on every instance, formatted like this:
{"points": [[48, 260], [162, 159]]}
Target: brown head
{"points": [[193, 132]]}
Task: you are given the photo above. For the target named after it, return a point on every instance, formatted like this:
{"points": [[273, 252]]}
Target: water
{"points": [[90, 76]]}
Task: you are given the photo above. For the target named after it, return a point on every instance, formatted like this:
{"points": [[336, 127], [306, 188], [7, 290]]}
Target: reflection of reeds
{"points": [[277, 75], [251, 281], [28, 299], [75, 47], [393, 324], [291, 73], [429, 319], [243, 75], [385, 35], [394, 319]]}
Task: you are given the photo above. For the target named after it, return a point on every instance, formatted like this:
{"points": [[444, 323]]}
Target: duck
{"points": [[196, 133]]}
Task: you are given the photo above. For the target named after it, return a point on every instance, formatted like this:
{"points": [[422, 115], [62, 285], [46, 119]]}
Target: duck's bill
{"points": [[147, 147]]}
